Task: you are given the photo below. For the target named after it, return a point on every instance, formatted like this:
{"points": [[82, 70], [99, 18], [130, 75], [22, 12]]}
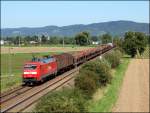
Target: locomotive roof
{"points": [[47, 60], [42, 60]]}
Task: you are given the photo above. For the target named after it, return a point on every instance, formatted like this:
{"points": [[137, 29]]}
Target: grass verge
{"points": [[10, 82], [110, 93]]}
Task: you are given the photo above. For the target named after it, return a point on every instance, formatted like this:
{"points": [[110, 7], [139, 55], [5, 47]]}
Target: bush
{"points": [[102, 69], [66, 100], [113, 58], [118, 53], [87, 82]]}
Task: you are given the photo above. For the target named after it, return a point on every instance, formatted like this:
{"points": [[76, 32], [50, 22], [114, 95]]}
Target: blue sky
{"points": [[61, 13]]}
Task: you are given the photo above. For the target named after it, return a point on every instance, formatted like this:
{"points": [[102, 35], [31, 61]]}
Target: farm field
{"points": [[5, 50], [134, 94]]}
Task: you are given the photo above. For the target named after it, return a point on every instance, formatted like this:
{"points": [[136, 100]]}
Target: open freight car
{"points": [[64, 61]]}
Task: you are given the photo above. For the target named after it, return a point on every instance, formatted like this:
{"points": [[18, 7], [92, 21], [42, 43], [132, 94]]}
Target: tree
{"points": [[54, 40], [94, 38], [101, 68], [43, 39], [17, 40], [147, 39], [113, 58], [133, 42], [82, 38], [35, 38], [87, 82], [106, 38], [118, 41], [10, 39]]}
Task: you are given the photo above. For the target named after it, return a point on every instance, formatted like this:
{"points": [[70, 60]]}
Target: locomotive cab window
{"points": [[30, 67]]}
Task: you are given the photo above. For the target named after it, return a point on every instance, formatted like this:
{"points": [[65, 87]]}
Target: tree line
{"points": [[132, 42], [83, 38]]}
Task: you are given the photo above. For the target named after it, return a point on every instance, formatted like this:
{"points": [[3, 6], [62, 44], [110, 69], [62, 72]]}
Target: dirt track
{"points": [[134, 94]]}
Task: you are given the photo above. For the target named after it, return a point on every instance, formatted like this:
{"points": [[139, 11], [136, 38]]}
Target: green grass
{"points": [[108, 99], [18, 61], [10, 82]]}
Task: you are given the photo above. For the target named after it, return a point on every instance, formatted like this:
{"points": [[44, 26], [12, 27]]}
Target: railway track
{"points": [[21, 98], [14, 93], [20, 102], [10, 91]]}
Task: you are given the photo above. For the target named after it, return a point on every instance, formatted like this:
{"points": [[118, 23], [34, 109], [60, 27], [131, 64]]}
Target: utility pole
{"points": [[112, 40], [63, 41], [10, 62], [39, 38], [19, 41], [19, 38]]}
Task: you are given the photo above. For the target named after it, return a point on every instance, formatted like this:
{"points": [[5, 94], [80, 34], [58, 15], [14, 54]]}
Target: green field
{"points": [[107, 96], [17, 62]]}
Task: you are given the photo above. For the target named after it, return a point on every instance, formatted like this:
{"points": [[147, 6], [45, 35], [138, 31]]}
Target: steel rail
{"points": [[14, 94], [34, 94]]}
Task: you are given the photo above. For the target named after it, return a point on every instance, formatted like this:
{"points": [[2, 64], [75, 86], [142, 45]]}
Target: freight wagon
{"points": [[40, 68]]}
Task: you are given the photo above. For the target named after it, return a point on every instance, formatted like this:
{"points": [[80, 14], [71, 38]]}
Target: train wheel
{"points": [[41, 80], [24, 84], [55, 74], [31, 83]]}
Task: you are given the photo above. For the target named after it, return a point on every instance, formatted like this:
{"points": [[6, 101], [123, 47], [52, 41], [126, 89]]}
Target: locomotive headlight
{"points": [[33, 72], [30, 73], [26, 73]]}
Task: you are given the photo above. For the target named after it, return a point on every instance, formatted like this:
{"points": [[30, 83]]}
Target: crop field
{"points": [[5, 50]]}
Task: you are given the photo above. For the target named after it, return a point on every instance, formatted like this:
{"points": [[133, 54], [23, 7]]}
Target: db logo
{"points": [[49, 67]]}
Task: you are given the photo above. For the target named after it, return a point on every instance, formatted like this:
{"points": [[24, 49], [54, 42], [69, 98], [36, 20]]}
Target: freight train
{"points": [[38, 69]]}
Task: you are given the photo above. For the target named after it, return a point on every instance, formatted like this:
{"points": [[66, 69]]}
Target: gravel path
{"points": [[134, 94]]}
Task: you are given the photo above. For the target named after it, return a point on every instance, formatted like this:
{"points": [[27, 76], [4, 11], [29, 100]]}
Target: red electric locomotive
{"points": [[38, 69]]}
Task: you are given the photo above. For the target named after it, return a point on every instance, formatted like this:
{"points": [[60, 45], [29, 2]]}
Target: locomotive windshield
{"points": [[30, 67]]}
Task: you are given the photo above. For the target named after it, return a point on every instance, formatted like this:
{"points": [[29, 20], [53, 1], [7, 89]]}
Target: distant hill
{"points": [[112, 27]]}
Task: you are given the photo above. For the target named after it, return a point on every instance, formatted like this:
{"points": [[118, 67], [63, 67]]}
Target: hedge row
{"points": [[87, 82], [66, 100], [92, 75], [113, 58], [97, 73]]}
